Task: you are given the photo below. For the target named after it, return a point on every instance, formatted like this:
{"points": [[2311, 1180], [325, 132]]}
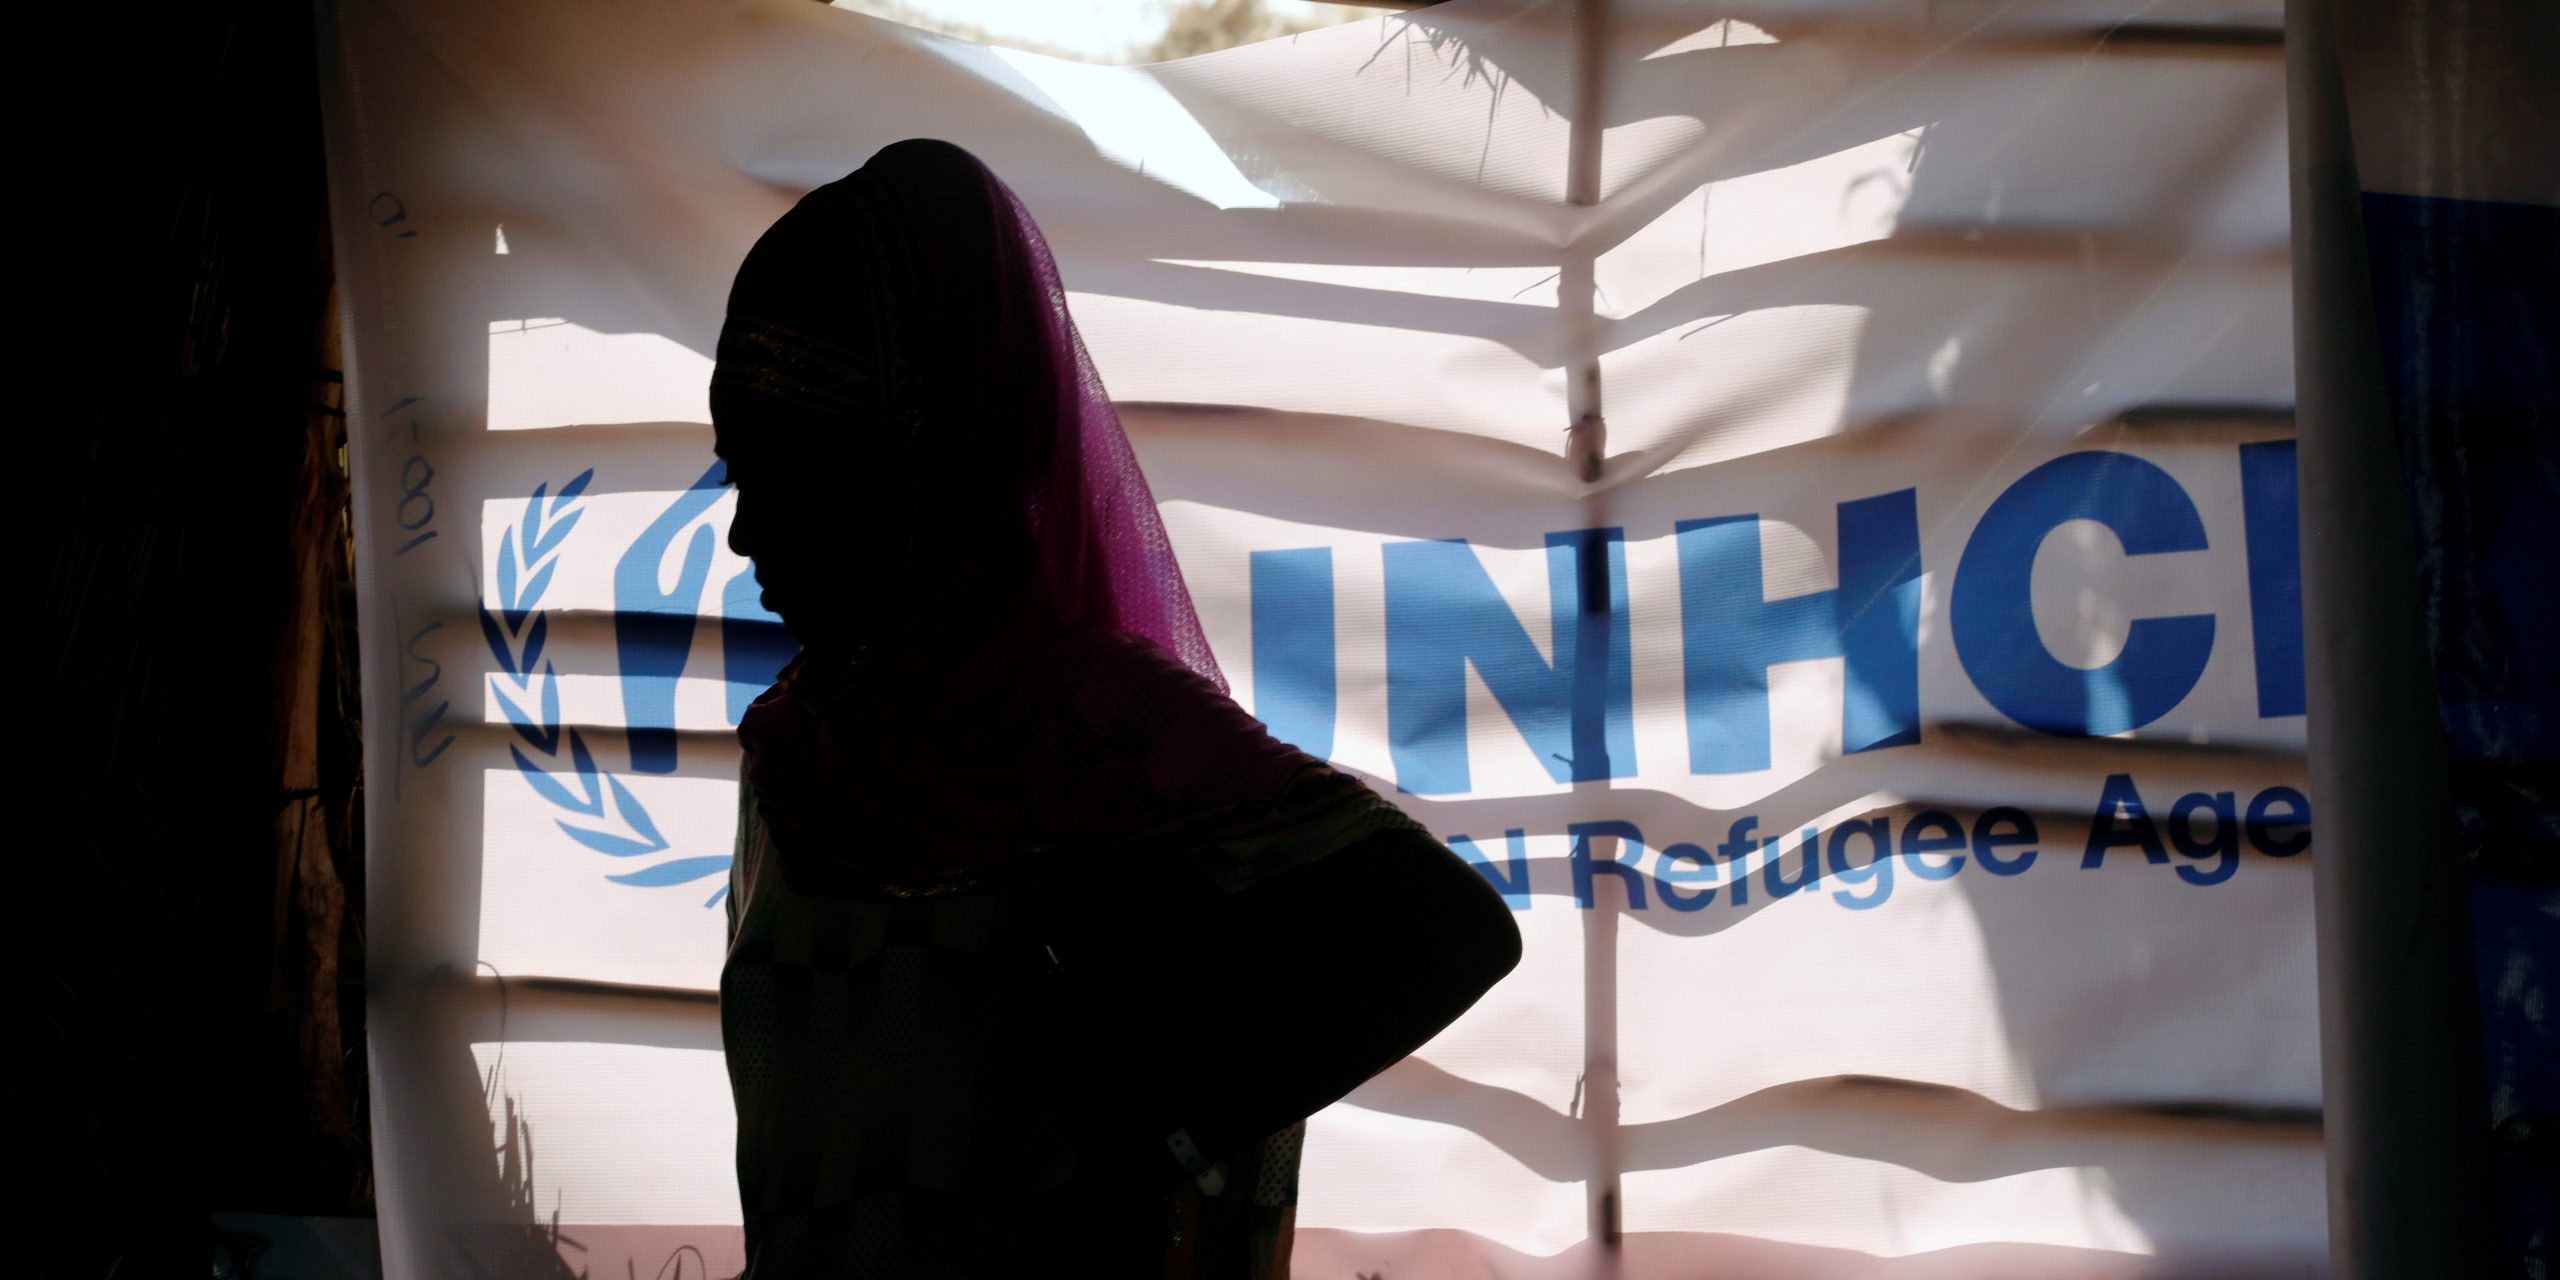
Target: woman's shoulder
{"points": [[1092, 645], [1127, 700], [1104, 674]]}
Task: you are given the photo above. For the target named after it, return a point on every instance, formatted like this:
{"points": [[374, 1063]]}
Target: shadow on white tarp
{"points": [[1982, 314]]}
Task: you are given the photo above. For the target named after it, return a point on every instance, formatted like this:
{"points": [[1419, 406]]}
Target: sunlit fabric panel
{"points": [[1892, 757]]}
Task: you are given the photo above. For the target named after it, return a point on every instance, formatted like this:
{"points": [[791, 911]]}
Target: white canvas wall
{"points": [[1974, 270]]}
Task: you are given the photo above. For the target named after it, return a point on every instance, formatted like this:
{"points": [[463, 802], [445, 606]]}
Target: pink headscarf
{"points": [[915, 300]]}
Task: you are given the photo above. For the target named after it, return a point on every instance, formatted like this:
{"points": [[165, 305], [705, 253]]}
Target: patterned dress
{"points": [[906, 1104]]}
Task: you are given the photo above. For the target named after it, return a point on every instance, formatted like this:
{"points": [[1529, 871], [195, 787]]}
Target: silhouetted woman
{"points": [[1040, 947]]}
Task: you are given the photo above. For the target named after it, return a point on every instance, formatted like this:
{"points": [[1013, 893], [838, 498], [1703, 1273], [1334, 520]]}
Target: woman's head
{"points": [[886, 402], [927, 466]]}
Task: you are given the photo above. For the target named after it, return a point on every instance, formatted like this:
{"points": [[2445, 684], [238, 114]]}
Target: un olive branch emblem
{"points": [[527, 691]]}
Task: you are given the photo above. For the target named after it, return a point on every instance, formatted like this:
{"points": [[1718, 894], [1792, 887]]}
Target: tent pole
{"points": [[1585, 450], [2399, 1050], [1586, 440]]}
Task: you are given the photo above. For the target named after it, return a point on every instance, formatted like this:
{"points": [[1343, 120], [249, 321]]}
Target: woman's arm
{"points": [[1231, 1007], [1338, 969]]}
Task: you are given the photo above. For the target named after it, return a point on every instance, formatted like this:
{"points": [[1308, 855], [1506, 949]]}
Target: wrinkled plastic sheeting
{"points": [[1945, 355]]}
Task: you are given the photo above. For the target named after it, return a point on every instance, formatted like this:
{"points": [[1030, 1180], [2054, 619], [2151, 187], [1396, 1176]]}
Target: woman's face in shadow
{"points": [[805, 516], [848, 538]]}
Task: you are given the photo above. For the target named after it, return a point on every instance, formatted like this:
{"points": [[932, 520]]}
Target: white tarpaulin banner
{"points": [[1892, 757]]}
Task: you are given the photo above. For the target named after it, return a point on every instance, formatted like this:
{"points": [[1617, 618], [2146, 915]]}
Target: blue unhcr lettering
{"points": [[1731, 634], [1736, 850], [1293, 661], [1808, 866], [1994, 620], [653, 627], [1878, 867], [2122, 820], [2270, 509], [1989, 840], [1514, 886], [2224, 845], [1860, 861], [1443, 612], [1668, 876], [2279, 835], [1585, 867], [1917, 844], [1863, 859]]}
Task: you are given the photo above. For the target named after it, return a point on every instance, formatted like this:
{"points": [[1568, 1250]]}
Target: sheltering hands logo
{"points": [[527, 690]]}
